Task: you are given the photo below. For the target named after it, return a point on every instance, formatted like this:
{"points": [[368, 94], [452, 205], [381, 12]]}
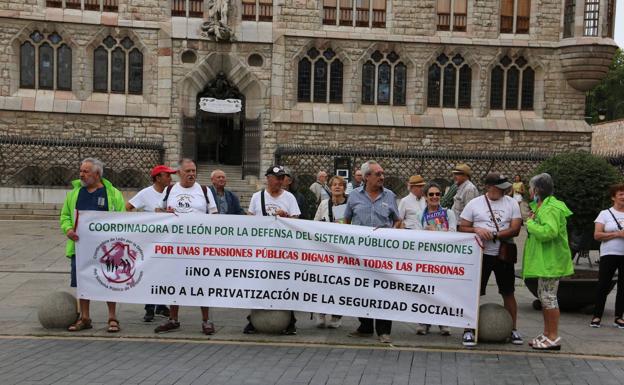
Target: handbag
{"points": [[508, 251]]}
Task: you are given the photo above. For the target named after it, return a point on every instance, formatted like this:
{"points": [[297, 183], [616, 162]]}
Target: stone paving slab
{"points": [[32, 264], [88, 361]]}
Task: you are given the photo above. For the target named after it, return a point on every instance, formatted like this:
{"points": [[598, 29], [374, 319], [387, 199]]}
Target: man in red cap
{"points": [[149, 199]]}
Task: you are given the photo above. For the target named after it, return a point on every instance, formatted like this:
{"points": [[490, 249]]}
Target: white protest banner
{"points": [[276, 263]]}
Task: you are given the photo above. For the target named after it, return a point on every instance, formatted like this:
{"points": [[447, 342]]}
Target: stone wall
{"points": [[608, 137], [403, 138]]}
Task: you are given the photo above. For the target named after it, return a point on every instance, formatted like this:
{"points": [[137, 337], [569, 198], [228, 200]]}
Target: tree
{"points": [[608, 96]]}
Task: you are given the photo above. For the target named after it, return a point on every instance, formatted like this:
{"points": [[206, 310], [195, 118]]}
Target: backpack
{"points": [[204, 190]]}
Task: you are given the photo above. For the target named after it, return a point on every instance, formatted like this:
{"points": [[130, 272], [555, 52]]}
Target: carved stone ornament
{"points": [[216, 28]]}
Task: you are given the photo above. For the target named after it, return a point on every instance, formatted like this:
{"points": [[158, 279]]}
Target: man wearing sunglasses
{"points": [[373, 205]]}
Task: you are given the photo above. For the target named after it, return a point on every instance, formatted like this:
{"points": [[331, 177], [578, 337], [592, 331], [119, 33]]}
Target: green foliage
{"points": [[582, 181], [608, 95]]}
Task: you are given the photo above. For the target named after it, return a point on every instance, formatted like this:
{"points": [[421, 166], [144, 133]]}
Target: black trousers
{"points": [[157, 307], [608, 266], [369, 325]]}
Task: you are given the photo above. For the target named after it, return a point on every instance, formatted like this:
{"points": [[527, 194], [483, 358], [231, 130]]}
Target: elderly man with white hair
{"points": [[227, 202], [90, 192], [320, 188]]}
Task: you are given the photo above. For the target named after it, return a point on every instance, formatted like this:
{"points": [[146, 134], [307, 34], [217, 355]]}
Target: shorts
{"points": [[503, 272], [547, 292], [73, 271]]}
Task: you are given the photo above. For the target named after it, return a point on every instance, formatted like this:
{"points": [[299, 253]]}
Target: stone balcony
{"points": [[585, 61]]}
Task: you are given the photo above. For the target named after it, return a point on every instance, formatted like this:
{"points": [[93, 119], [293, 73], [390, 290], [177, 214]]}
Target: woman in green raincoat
{"points": [[547, 255]]}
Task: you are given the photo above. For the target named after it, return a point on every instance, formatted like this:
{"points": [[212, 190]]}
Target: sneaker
{"points": [[595, 323], [422, 329], [163, 311], [619, 323], [516, 338], [385, 339], [169, 326], [149, 315], [249, 329], [468, 339], [334, 322], [291, 330], [208, 328], [444, 330]]}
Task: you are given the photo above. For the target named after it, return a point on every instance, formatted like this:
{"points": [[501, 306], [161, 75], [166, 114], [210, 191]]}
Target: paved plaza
{"points": [[32, 265]]}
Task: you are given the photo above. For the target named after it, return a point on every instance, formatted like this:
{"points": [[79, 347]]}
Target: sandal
{"points": [[595, 322], [547, 344], [113, 325], [81, 324], [619, 323], [537, 339]]}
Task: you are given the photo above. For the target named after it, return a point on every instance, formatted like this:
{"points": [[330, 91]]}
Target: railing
{"points": [[55, 162], [522, 24], [362, 17], [178, 8], [444, 21], [196, 8], [460, 22], [329, 15], [346, 17], [266, 12], [506, 25], [87, 5], [379, 18], [249, 10]]}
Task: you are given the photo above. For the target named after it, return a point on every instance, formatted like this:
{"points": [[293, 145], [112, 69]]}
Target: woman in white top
{"points": [[609, 229], [435, 218], [332, 210]]}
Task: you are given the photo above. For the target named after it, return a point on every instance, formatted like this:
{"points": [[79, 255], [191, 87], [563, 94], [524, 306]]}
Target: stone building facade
{"points": [[166, 61], [608, 137]]}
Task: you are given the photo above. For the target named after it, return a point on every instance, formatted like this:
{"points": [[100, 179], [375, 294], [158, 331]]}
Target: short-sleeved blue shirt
{"points": [[382, 212], [95, 201]]}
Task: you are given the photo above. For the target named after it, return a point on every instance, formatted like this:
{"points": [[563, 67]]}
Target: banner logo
{"points": [[117, 264]]}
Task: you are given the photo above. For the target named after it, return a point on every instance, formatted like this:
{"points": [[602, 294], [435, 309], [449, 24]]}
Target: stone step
{"points": [[29, 217]]}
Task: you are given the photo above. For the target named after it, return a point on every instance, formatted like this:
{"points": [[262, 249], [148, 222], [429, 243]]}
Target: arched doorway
{"points": [[220, 134]]}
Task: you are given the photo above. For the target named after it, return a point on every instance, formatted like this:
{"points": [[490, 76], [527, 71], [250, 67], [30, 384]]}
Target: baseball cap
{"points": [[416, 180], [275, 170], [497, 180], [462, 168], [160, 168]]}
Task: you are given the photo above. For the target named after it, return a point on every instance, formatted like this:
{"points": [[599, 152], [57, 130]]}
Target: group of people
{"points": [[494, 217]]}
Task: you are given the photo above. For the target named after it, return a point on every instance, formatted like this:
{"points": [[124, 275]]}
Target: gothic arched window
{"points": [[319, 77], [384, 80], [118, 67], [512, 85], [449, 83], [45, 62]]}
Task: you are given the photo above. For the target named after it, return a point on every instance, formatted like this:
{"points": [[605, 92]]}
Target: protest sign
{"points": [[279, 263]]}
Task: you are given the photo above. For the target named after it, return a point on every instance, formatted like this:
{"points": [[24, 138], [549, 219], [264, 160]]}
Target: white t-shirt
{"points": [[285, 201], [505, 209], [322, 213], [410, 210], [147, 199], [612, 246], [189, 200]]}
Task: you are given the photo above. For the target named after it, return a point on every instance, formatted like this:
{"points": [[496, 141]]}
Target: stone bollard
{"points": [[495, 323], [58, 310], [270, 321]]}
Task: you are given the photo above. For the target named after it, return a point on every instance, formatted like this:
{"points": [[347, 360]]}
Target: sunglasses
{"points": [[434, 194]]}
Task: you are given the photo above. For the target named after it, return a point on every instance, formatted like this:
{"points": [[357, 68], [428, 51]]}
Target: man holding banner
{"points": [[91, 192], [372, 205], [274, 200], [185, 197]]}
